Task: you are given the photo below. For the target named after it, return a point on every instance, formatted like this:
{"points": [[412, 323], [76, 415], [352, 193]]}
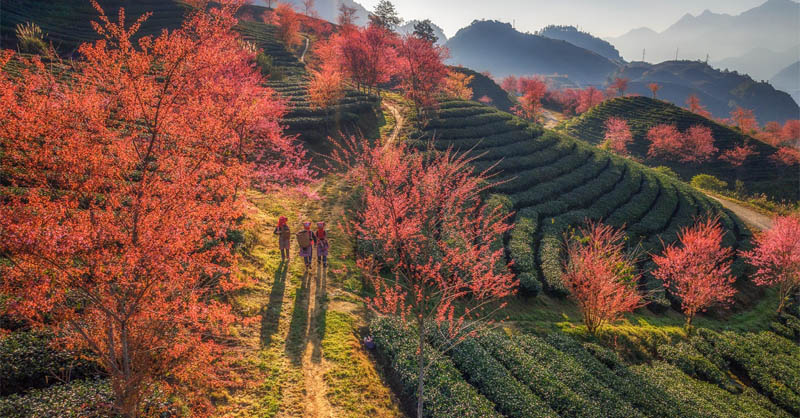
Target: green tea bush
{"points": [[709, 182], [80, 398]]}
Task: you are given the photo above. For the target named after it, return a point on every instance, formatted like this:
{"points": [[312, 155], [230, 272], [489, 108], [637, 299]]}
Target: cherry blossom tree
{"points": [[288, 24], [618, 135], [326, 88], [600, 275], [787, 156], [619, 85], [116, 232], [433, 256], [776, 257], [790, 134], [737, 155], [744, 120], [533, 90], [698, 271], [421, 71], [695, 107], [347, 16], [693, 146], [588, 98], [654, 88], [510, 84]]}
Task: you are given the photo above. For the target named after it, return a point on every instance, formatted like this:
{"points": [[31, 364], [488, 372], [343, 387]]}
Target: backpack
{"points": [[304, 239]]}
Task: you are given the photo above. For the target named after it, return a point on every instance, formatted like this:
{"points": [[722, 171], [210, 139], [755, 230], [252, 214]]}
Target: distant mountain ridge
{"points": [[721, 92], [326, 9], [772, 25], [488, 45], [788, 80], [408, 27], [582, 39]]}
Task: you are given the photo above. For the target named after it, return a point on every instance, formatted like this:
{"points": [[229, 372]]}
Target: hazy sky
{"points": [[601, 17]]}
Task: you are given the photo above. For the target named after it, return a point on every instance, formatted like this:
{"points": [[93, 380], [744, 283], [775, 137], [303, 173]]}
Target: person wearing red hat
{"points": [[284, 238], [306, 240], [321, 237]]}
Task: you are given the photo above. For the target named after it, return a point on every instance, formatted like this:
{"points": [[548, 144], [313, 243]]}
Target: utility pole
{"points": [[643, 51], [706, 59], [676, 53]]}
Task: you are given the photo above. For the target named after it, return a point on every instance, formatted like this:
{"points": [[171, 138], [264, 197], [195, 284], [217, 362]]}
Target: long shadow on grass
{"points": [[298, 327], [271, 313], [318, 314]]}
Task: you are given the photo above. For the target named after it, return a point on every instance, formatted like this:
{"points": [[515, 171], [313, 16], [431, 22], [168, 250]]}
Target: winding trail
{"points": [[399, 120], [752, 218], [305, 49]]}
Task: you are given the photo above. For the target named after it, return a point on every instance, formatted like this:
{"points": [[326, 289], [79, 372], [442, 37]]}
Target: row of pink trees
{"points": [[601, 276]]}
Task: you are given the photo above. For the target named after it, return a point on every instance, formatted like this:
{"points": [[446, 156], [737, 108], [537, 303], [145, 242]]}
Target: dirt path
{"points": [[399, 120], [314, 368], [749, 216], [305, 49], [550, 118]]}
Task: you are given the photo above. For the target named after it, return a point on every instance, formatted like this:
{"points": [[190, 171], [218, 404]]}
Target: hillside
{"points": [[759, 173], [788, 80], [554, 182], [720, 91], [584, 40], [407, 28], [483, 86], [771, 25], [493, 46], [759, 63]]}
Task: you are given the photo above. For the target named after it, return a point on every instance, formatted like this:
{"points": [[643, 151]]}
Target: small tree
{"points": [[698, 144], [424, 30], [457, 85], [288, 25], [325, 88], [737, 155], [777, 257], [421, 71], [654, 88], [744, 120], [693, 146], [618, 135], [347, 16], [695, 107], [588, 98], [600, 275], [510, 84], [533, 90], [308, 8], [385, 15], [619, 85], [433, 255], [698, 271]]}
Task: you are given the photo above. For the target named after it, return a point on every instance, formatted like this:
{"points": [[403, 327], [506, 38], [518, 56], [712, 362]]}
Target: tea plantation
{"points": [[556, 182], [710, 374], [759, 173]]}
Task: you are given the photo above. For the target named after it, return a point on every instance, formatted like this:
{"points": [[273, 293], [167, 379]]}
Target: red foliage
{"points": [[438, 253], [600, 276], [787, 156], [777, 257], [790, 134], [588, 98], [744, 120], [485, 100], [697, 272], [693, 146], [533, 90], [695, 107], [618, 135], [510, 84], [771, 134], [288, 23], [347, 17], [565, 100], [619, 85], [737, 155], [654, 88], [366, 56], [421, 70], [325, 88], [457, 85], [126, 181]]}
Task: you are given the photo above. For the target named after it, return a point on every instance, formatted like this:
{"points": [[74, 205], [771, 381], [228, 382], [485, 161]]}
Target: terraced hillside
{"points": [[712, 374], [555, 182], [67, 23], [759, 173]]}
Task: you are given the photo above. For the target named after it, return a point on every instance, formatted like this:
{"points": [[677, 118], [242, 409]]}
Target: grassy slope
{"points": [[759, 173]]}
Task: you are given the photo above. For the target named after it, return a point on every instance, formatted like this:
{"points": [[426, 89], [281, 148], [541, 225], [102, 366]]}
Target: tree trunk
{"points": [[420, 366]]}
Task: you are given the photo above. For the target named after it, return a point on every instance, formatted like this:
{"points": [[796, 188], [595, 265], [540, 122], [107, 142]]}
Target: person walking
{"points": [[306, 240], [284, 238], [322, 244]]}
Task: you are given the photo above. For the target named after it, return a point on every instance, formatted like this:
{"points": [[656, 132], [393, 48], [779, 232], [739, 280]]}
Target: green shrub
{"points": [[666, 171], [709, 182], [30, 39], [446, 393], [693, 363], [89, 398], [27, 360]]}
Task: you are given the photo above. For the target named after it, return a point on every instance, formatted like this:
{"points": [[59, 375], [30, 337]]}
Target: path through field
{"points": [[749, 216], [399, 120], [551, 118]]}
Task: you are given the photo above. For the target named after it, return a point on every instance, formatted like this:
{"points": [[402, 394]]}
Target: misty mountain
{"points": [[408, 28], [788, 80], [326, 9], [584, 40], [488, 45], [720, 91], [761, 63], [773, 25]]}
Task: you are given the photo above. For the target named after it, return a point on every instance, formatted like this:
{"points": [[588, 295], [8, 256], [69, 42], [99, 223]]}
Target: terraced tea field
{"points": [[759, 173], [555, 182], [526, 375]]}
